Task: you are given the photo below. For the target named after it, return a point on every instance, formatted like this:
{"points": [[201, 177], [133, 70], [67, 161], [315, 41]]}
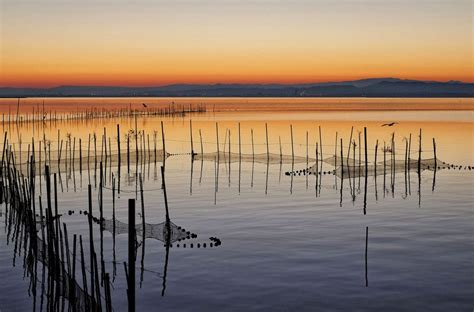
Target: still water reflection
{"points": [[247, 236]]}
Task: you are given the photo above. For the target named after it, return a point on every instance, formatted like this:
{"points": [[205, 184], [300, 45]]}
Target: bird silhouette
{"points": [[390, 124], [144, 105]]}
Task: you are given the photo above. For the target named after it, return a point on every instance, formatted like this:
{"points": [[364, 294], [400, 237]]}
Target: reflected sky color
{"points": [[54, 42]]}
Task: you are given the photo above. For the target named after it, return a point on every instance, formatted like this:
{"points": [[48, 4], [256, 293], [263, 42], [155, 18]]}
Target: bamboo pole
{"points": [[200, 139], [366, 170], [375, 160], [409, 153], [292, 148], [316, 172], [191, 136], [419, 155], [119, 155], [166, 199], [131, 255], [342, 176], [366, 154], [266, 136], [384, 160], [240, 148], [406, 155], [136, 142], [335, 150], [342, 162], [253, 149], [321, 143], [281, 151], [217, 142], [91, 238], [307, 155], [163, 141], [349, 147], [128, 152]]}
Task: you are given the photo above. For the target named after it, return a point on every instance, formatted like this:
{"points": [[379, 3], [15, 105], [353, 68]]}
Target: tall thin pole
{"points": [[191, 136], [281, 151], [349, 147], [321, 143], [266, 135], [166, 198], [366, 169], [307, 155], [136, 141], [240, 151], [253, 148], [375, 160], [131, 255], [292, 148], [365, 147], [118, 146], [200, 139], [217, 141], [163, 141], [419, 155]]}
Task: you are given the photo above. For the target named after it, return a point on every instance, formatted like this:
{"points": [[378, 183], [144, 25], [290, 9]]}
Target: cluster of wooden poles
{"points": [[69, 157], [40, 115], [51, 247]]}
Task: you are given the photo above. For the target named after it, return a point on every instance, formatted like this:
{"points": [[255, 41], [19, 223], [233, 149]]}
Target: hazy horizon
{"points": [[269, 83]]}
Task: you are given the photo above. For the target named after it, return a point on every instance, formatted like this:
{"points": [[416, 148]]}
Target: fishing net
{"points": [[263, 158], [155, 231], [74, 162], [350, 168]]}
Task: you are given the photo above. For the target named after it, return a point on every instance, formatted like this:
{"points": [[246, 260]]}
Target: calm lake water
{"points": [[288, 242]]}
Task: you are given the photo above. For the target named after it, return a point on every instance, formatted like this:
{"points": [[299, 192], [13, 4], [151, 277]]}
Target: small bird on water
{"points": [[390, 124]]}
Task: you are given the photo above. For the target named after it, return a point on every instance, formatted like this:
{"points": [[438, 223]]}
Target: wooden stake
{"points": [[409, 153], [321, 143], [307, 155], [200, 139], [349, 147], [240, 151], [163, 141], [366, 169], [419, 155], [266, 135], [131, 255], [191, 136], [281, 151], [375, 161], [253, 149], [217, 142], [292, 148], [119, 155]]}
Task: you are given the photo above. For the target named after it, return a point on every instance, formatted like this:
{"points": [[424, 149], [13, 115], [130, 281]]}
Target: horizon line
{"points": [[228, 83]]}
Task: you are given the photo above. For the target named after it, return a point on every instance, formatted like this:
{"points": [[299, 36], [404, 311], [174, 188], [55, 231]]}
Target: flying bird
{"points": [[390, 124], [144, 105]]}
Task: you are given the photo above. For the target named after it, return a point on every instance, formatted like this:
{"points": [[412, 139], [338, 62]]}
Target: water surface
{"points": [[287, 243]]}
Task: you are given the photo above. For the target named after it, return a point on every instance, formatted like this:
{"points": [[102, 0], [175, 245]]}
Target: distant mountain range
{"points": [[373, 87]]}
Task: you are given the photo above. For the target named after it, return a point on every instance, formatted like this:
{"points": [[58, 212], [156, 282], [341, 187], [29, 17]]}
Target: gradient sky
{"points": [[155, 42]]}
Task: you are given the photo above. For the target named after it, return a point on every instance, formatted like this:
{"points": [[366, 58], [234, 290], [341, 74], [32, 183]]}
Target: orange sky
{"points": [[88, 42]]}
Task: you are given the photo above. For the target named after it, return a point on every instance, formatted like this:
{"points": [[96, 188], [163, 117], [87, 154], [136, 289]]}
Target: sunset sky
{"points": [[47, 43]]}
